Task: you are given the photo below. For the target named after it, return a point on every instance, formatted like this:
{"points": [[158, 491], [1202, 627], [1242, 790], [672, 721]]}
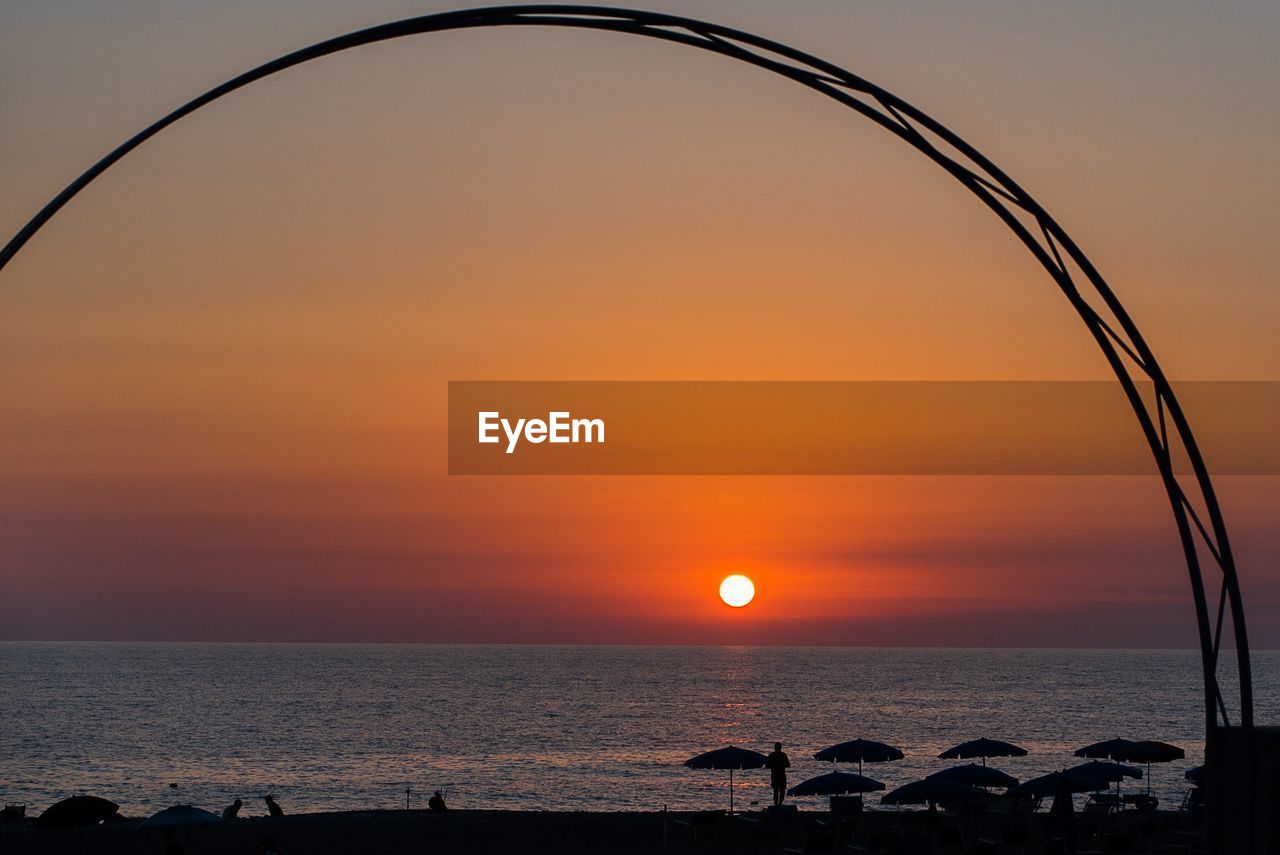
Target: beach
{"points": [[479, 832]]}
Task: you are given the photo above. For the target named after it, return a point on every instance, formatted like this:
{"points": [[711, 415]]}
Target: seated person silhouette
{"points": [[436, 803], [273, 808], [232, 811]]}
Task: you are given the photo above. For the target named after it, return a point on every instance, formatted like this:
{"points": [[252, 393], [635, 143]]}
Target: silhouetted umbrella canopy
{"points": [[1103, 771], [977, 776], [1195, 774], [835, 784], [77, 811], [983, 748], [1051, 784], [1120, 750], [730, 757], [179, 816], [933, 790], [859, 751], [1162, 752]]}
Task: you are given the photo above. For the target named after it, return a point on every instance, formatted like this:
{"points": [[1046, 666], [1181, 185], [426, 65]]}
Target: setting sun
{"points": [[737, 591]]}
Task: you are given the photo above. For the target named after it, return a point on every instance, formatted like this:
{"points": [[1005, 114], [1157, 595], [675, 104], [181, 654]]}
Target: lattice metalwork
{"points": [[1196, 511]]}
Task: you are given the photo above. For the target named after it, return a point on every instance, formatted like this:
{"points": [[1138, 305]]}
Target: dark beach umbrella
{"points": [[77, 811], [1128, 751], [835, 784], [179, 816], [1161, 752], [933, 791], [1120, 750], [977, 776], [859, 751], [730, 757], [983, 748], [1195, 774], [1055, 782], [1104, 771]]}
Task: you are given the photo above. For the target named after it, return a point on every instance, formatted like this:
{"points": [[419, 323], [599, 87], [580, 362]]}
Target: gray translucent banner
{"points": [[843, 428]]}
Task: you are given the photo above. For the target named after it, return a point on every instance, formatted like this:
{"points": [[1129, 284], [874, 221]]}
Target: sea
{"points": [[345, 726]]}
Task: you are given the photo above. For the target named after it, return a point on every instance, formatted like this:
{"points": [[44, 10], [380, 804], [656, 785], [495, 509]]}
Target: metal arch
{"points": [[1164, 425]]}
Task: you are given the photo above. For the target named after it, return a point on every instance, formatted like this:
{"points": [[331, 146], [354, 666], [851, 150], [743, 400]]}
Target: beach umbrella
{"points": [[859, 751], [1104, 771], [1161, 752], [983, 748], [1128, 751], [1055, 782], [835, 784], [1120, 750], [77, 811], [977, 776], [178, 816], [933, 791], [730, 757], [1195, 774]]}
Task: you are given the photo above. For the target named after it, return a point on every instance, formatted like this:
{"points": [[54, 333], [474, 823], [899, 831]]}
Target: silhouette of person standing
{"points": [[778, 763], [273, 808]]}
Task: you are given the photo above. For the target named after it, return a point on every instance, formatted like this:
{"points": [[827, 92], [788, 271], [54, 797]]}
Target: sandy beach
{"points": [[477, 832]]}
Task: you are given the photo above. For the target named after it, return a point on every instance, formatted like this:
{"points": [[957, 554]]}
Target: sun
{"points": [[737, 591]]}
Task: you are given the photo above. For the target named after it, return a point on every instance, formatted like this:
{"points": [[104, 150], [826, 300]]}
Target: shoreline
{"points": [[479, 832]]}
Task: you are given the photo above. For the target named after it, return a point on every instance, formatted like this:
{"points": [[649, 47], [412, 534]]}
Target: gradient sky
{"points": [[224, 366]]}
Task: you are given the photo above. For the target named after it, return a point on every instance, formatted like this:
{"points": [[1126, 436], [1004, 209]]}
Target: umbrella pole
{"points": [[730, 791]]}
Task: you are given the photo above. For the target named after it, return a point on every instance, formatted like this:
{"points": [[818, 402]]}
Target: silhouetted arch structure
{"points": [[1199, 520]]}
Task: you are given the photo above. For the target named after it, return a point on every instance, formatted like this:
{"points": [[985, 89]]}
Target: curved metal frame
{"points": [[1165, 427]]}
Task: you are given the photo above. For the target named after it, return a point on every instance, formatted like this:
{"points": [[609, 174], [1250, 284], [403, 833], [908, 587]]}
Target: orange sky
{"points": [[224, 366]]}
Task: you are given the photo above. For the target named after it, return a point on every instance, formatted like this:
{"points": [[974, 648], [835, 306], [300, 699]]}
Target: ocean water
{"points": [[329, 727]]}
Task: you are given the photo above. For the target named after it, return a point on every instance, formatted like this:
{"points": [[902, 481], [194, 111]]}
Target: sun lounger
{"points": [[1141, 801], [1102, 804], [816, 842], [702, 824]]}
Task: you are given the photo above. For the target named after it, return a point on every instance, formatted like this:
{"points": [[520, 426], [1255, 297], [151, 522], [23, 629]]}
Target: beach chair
{"points": [[950, 840], [1025, 807], [702, 824], [884, 840], [13, 821], [1006, 806], [1102, 804], [1013, 838], [1118, 843], [818, 841], [1141, 801], [846, 810], [917, 841]]}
